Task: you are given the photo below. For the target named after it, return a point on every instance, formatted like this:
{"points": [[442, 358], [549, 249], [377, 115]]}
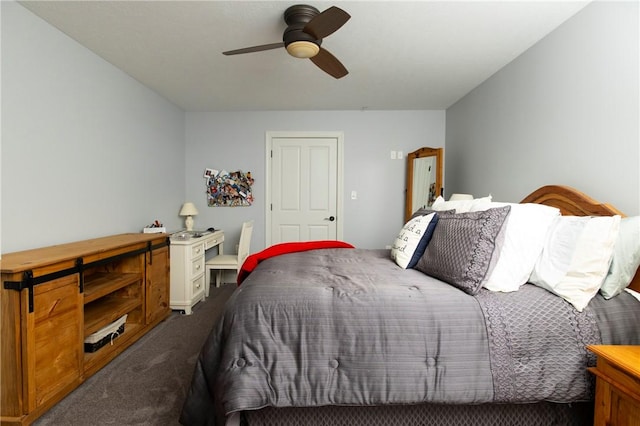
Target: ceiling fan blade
{"points": [[254, 49], [326, 23], [329, 64]]}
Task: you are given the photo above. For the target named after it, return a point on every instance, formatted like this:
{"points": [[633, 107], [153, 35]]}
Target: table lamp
{"points": [[188, 210]]}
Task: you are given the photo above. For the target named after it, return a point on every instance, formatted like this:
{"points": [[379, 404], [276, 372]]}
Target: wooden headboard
{"points": [[572, 202]]}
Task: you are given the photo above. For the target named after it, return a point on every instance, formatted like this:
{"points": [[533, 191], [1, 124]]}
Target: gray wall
{"points": [[236, 140], [565, 111], [87, 151]]}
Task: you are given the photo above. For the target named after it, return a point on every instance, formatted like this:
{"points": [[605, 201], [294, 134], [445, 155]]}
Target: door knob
{"points": [[330, 218]]}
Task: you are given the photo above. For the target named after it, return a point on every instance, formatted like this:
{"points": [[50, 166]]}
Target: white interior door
{"points": [[304, 187]]}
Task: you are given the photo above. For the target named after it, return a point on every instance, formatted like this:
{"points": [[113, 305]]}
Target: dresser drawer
{"points": [[197, 285], [212, 242], [197, 266], [197, 250]]}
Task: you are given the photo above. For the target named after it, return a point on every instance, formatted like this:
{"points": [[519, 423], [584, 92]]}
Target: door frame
{"points": [[339, 136]]}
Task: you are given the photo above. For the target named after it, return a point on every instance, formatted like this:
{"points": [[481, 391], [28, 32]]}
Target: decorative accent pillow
{"points": [[633, 293], [576, 257], [413, 239], [426, 210], [524, 236], [626, 258], [464, 248], [462, 206]]}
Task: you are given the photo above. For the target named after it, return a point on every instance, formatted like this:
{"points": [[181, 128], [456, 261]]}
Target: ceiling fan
{"points": [[306, 27]]}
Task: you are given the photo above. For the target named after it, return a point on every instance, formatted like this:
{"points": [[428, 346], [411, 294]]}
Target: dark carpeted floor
{"points": [[147, 383]]}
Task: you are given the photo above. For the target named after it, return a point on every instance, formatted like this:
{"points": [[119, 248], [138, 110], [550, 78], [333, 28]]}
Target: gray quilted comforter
{"points": [[349, 327]]}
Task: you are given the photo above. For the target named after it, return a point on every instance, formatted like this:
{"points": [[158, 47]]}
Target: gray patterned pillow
{"points": [[425, 211], [464, 248]]}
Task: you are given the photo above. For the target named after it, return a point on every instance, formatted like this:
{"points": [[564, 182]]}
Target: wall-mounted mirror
{"points": [[424, 179]]}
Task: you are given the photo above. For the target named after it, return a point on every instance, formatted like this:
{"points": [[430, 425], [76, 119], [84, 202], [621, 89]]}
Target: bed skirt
{"points": [[540, 414]]}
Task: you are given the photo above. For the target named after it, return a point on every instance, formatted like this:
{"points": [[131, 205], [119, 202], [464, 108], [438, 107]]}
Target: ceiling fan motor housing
{"points": [[300, 14], [296, 17]]}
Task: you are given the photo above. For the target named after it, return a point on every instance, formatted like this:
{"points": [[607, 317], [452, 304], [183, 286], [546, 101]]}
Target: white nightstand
{"points": [[187, 266]]}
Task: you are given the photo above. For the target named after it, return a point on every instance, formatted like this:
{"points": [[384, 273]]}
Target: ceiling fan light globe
{"points": [[303, 49]]}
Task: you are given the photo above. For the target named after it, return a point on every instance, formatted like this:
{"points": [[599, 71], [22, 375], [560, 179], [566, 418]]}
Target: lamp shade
{"points": [[460, 197], [188, 209]]}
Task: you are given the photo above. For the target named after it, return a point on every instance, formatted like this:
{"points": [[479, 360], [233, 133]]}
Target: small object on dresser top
{"points": [[182, 235], [187, 235], [155, 228]]}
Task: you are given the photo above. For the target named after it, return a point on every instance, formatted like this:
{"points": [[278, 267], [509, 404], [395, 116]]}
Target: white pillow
{"points": [[576, 257], [524, 237], [626, 258], [633, 293], [462, 206], [413, 239]]}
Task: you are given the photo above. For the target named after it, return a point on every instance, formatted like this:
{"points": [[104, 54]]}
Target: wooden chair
{"points": [[229, 261]]}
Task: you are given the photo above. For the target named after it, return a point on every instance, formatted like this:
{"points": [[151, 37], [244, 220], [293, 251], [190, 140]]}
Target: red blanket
{"points": [[252, 261]]}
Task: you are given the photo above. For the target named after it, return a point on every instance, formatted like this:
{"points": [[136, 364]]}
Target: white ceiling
{"points": [[400, 54]]}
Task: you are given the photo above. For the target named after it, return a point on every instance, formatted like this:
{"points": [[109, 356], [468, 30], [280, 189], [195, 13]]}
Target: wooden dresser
{"points": [[53, 298], [617, 401]]}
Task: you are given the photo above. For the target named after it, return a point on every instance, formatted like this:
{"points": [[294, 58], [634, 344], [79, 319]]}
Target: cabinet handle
{"points": [[197, 266], [197, 250]]}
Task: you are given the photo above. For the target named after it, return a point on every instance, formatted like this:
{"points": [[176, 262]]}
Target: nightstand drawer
{"points": [[617, 375]]}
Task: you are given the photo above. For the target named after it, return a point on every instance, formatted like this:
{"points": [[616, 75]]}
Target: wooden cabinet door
{"points": [[55, 340], [625, 411], [157, 298]]}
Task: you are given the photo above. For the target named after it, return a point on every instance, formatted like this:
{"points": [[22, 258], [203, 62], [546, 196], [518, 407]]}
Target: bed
{"points": [[337, 335]]}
